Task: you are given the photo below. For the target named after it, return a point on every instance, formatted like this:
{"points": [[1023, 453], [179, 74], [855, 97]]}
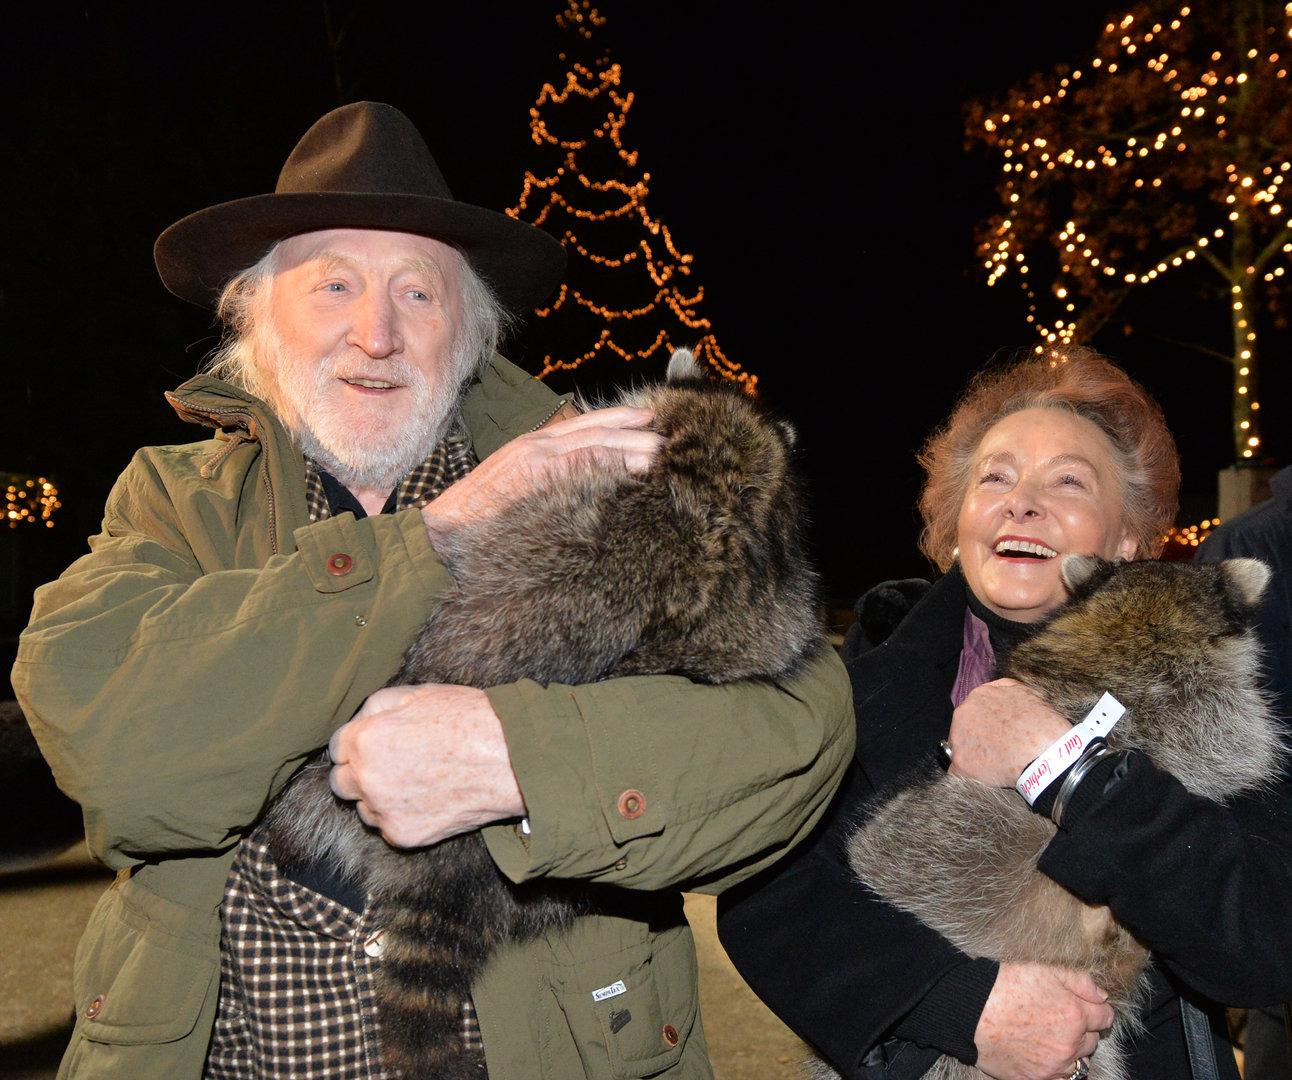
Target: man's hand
{"points": [[424, 763], [514, 469], [1038, 1021], [999, 730]]}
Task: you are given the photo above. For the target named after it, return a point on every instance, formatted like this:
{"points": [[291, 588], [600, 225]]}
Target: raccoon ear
{"points": [[682, 367], [789, 431], [1079, 571], [1247, 578]]}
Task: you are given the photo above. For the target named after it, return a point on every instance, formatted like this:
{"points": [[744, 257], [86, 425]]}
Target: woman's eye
{"points": [[992, 478], [334, 286], [418, 294], [1071, 481]]}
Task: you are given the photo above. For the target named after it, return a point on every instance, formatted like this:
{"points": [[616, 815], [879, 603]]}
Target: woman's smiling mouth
{"points": [[1022, 548]]}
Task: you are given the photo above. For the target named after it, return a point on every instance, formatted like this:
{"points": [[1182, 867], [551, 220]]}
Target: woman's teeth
{"points": [[1022, 547]]}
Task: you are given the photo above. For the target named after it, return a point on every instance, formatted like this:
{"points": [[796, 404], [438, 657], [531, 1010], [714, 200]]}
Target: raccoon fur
{"points": [[1174, 644], [695, 567]]}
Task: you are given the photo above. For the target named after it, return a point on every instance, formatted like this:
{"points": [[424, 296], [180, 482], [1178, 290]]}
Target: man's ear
{"points": [[1127, 548]]}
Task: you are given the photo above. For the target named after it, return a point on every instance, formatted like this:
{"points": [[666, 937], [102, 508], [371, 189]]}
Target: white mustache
{"points": [[399, 372]]}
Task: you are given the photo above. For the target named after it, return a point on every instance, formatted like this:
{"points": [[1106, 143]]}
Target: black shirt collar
{"points": [[340, 498], [1004, 633]]}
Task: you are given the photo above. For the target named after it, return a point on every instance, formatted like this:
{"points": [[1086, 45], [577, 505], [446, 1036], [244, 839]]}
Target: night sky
{"points": [[813, 165]]}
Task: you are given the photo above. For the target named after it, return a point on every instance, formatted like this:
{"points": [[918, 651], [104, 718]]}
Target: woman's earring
{"points": [[955, 552]]}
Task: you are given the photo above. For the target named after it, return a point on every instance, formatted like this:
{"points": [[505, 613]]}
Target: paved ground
{"points": [[43, 909]]}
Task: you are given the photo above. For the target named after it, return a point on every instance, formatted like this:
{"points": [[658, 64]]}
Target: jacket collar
{"points": [[902, 688], [501, 403]]}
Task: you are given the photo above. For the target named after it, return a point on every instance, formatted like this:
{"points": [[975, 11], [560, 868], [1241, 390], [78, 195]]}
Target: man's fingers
{"points": [[342, 782], [383, 700], [335, 752], [621, 417], [365, 814], [624, 440]]}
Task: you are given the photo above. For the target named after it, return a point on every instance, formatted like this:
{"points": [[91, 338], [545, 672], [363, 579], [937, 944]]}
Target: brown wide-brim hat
{"points": [[362, 166]]}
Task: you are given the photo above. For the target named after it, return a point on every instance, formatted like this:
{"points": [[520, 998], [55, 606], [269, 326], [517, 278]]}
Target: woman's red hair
{"points": [[1084, 383]]}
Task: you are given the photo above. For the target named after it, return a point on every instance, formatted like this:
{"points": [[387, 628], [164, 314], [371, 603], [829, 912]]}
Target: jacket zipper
{"points": [[559, 406]]}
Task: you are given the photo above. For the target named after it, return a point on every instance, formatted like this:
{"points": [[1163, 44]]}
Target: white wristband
{"points": [[1068, 747]]}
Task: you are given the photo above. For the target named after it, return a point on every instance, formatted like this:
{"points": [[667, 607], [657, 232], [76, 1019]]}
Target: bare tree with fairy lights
{"points": [[628, 294], [1166, 156]]}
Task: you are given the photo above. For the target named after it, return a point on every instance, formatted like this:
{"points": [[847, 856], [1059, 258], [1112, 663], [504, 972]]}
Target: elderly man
{"points": [[251, 594]]}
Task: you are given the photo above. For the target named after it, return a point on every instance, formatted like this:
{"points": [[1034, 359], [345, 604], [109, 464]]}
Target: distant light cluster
{"points": [[1125, 130], [30, 501], [554, 201], [1190, 535]]}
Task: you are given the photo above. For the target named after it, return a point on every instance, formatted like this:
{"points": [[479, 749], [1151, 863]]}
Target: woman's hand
{"points": [[999, 730], [1038, 1021]]}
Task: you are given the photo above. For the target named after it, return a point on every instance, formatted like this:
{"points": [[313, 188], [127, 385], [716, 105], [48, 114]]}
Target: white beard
{"points": [[352, 440]]}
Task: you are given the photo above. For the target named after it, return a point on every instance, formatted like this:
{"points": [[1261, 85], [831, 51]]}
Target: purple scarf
{"points": [[977, 660]]}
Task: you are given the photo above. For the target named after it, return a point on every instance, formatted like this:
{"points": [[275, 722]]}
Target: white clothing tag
{"points": [[613, 990], [1061, 753]]}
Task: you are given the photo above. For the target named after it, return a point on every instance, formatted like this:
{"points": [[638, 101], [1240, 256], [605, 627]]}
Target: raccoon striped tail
{"points": [[426, 969], [444, 909]]}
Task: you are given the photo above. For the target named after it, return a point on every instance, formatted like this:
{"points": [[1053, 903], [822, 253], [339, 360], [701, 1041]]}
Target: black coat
{"points": [[1205, 887]]}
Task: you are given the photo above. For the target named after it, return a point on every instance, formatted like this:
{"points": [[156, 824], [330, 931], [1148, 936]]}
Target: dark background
{"points": [[812, 163]]}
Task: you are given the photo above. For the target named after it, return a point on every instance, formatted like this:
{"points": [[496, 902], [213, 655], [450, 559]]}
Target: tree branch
{"points": [[1273, 247], [1205, 350]]}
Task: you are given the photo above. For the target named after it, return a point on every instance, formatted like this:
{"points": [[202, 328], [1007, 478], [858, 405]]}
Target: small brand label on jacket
{"points": [[613, 990]]}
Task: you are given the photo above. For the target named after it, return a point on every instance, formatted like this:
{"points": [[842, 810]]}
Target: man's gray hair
{"points": [[242, 307]]}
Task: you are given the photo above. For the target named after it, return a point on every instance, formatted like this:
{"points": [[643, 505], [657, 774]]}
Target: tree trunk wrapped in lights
{"points": [[629, 294], [1166, 156]]}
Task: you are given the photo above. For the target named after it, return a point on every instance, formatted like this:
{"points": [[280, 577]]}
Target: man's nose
{"points": [[375, 328]]}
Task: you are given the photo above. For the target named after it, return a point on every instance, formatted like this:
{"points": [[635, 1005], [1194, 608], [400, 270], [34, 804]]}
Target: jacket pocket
{"points": [[632, 1012], [143, 970]]}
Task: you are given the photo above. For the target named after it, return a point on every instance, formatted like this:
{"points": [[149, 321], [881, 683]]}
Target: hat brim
{"points": [[199, 254]]}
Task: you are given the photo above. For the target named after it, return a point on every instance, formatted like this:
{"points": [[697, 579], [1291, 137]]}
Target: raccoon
{"points": [[694, 568], [1174, 644]]}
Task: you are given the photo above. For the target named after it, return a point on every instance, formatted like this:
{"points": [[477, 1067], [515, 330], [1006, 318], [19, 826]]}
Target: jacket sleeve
{"points": [[172, 700], [651, 782], [1203, 885], [843, 990]]}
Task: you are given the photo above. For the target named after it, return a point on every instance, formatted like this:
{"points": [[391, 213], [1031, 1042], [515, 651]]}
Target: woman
{"points": [[1056, 455]]}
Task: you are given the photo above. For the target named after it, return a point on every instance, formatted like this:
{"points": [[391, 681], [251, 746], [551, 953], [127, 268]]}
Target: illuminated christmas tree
{"points": [[1163, 157], [628, 294]]}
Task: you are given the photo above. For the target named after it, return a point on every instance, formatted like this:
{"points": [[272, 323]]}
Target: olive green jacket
{"points": [[178, 674]]}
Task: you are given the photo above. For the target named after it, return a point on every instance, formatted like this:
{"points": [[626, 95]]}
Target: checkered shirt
{"points": [[451, 460], [296, 967]]}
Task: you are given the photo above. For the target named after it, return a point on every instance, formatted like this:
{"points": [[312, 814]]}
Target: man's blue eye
{"points": [[417, 294], [334, 286]]}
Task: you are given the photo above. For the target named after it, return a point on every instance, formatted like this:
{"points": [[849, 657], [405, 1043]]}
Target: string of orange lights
{"points": [[556, 199], [1219, 89]]}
